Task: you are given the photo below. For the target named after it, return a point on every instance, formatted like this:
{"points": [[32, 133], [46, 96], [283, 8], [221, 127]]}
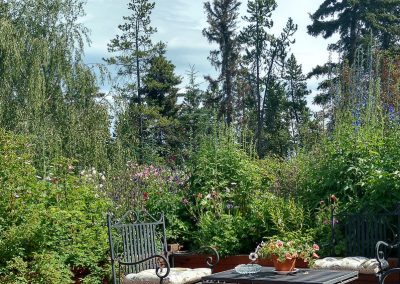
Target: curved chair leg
{"points": [[387, 273]]}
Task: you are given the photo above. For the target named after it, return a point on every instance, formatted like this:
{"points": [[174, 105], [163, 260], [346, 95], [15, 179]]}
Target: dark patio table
{"points": [[268, 276]]}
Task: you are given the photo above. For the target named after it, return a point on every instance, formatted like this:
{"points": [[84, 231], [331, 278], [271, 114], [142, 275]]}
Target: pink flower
{"points": [[288, 256], [315, 247], [279, 244], [314, 255]]}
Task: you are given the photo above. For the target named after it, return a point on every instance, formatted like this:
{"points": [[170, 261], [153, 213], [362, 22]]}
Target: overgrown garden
{"points": [[230, 165]]}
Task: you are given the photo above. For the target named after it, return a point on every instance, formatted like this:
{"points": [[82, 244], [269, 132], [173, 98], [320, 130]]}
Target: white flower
{"points": [[253, 256]]}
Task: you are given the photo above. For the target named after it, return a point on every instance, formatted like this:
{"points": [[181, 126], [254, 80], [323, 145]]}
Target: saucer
{"points": [[247, 268], [286, 272]]}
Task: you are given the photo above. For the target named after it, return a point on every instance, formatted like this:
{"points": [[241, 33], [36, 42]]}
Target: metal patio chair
{"points": [[383, 251], [138, 251]]}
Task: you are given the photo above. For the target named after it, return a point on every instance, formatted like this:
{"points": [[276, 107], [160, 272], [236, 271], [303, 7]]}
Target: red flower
{"points": [[333, 198], [145, 196]]}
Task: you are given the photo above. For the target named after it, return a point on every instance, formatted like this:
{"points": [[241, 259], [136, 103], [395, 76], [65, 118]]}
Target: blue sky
{"points": [[180, 24]]}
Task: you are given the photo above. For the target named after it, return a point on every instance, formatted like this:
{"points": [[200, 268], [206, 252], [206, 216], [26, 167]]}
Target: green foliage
{"points": [[221, 165], [360, 24], [49, 225], [298, 114], [156, 189], [288, 246], [47, 91], [356, 21], [221, 232], [223, 183], [222, 17]]}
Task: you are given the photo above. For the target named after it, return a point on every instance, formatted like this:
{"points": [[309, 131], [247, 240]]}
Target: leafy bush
{"points": [[156, 189], [49, 225], [223, 182]]}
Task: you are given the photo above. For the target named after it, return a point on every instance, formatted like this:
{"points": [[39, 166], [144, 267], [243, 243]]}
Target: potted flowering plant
{"points": [[284, 251]]}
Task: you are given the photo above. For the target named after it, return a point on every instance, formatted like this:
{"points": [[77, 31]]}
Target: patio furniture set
{"points": [[138, 252]]}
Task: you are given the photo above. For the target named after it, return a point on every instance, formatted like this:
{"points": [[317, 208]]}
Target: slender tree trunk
{"points": [[263, 102], [139, 93], [258, 52], [353, 38]]}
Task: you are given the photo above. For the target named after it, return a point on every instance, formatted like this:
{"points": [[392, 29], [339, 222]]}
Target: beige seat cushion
{"points": [[361, 264], [175, 276]]}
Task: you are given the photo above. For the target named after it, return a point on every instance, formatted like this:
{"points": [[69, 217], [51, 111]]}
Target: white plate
{"points": [[286, 272]]}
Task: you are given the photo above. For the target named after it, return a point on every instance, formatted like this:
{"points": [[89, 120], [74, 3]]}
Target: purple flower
{"points": [[391, 112]]}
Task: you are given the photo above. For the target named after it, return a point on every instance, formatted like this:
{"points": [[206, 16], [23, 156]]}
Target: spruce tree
{"points": [[275, 57], [256, 40], [296, 92], [355, 21], [160, 85], [133, 49], [222, 17]]}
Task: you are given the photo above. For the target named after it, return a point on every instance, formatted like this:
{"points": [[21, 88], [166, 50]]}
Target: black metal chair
{"points": [[138, 251], [383, 251]]}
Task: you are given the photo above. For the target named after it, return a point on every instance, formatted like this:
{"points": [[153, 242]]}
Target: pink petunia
{"points": [[315, 247], [279, 244]]}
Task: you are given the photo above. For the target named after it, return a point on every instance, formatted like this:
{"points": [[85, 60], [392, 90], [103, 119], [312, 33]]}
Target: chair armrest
{"points": [[212, 257], [159, 269], [382, 251]]}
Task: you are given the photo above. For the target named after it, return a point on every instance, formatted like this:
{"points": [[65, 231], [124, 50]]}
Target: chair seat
{"points": [[176, 276], [362, 264]]}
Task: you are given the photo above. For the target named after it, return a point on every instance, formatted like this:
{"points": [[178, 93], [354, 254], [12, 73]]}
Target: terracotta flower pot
{"points": [[287, 265]]}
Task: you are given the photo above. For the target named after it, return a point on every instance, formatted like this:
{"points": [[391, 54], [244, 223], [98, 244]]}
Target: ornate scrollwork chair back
{"points": [[138, 251], [136, 236]]}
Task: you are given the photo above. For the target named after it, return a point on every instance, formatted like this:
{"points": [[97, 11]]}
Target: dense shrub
{"points": [[49, 225], [157, 188]]}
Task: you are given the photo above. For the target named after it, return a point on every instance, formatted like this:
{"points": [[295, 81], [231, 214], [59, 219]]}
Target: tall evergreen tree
{"points": [[222, 17], [256, 39], [276, 134], [133, 48], [355, 21], [160, 85], [194, 116], [296, 92], [275, 57]]}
